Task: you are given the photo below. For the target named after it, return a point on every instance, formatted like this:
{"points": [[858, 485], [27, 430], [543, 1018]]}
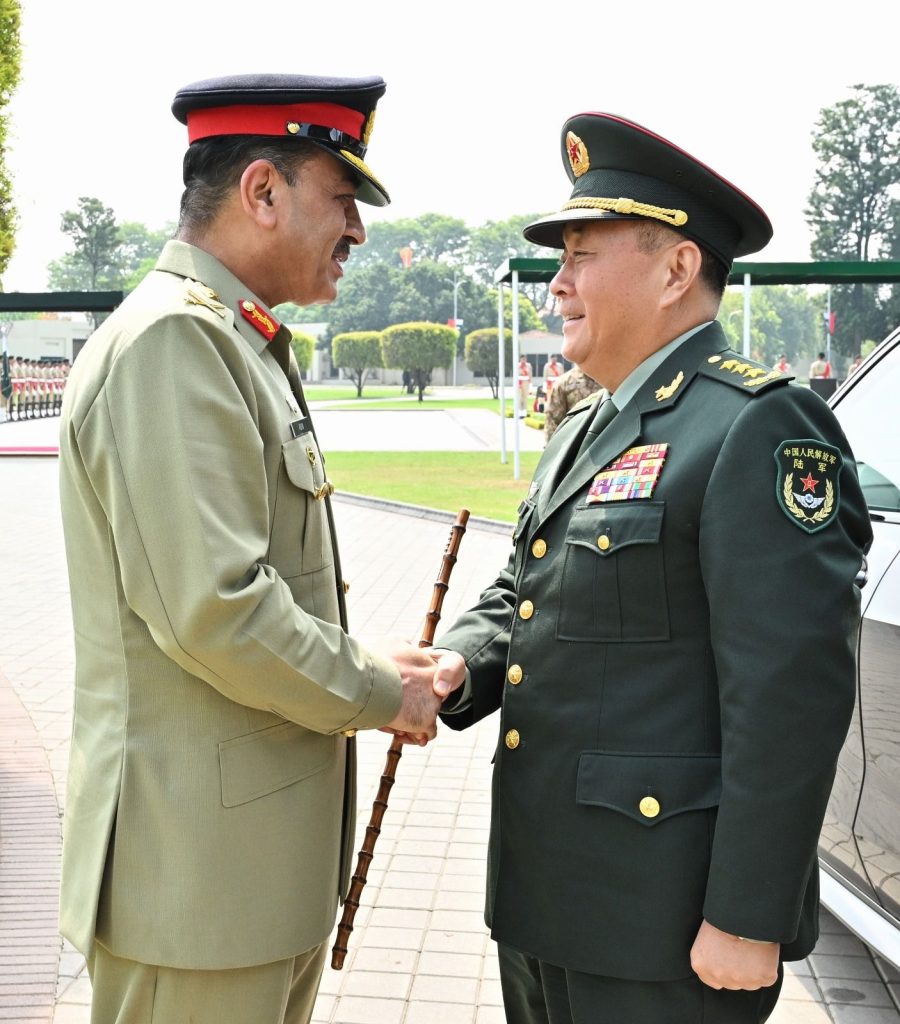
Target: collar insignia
{"points": [[264, 322], [669, 389]]}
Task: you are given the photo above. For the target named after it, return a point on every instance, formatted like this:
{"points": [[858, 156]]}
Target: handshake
{"points": [[427, 677]]}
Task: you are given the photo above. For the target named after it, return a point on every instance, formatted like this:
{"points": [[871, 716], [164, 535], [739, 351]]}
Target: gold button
{"points": [[649, 807], [714, 359], [349, 733], [512, 739], [526, 610], [539, 548], [603, 542], [292, 127], [514, 675], [248, 305]]}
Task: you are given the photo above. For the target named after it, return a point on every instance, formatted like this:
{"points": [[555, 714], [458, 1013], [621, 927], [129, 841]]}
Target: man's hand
{"points": [[721, 960], [450, 673], [416, 721]]}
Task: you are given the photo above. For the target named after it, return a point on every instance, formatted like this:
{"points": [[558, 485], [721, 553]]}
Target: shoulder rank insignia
{"points": [[807, 487], [730, 368], [634, 474], [201, 295], [262, 320]]}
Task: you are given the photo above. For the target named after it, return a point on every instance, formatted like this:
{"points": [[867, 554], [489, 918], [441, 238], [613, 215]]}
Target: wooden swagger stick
{"points": [[351, 904]]}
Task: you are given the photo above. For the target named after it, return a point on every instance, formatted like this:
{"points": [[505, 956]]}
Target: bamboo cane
{"points": [[364, 859]]}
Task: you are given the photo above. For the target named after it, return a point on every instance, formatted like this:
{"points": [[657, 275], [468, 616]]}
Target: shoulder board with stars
{"points": [[260, 318], [199, 294], [744, 374]]}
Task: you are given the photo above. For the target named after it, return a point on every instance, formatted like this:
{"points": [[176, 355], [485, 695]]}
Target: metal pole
{"points": [[455, 327], [501, 362], [747, 287], [828, 329], [515, 359]]}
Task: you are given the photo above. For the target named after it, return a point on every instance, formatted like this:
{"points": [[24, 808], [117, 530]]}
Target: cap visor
{"points": [[549, 230]]}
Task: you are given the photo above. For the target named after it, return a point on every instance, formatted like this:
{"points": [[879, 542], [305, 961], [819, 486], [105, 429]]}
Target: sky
{"points": [[477, 92]]}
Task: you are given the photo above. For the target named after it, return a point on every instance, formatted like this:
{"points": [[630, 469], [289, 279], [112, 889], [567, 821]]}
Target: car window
{"points": [[867, 413]]}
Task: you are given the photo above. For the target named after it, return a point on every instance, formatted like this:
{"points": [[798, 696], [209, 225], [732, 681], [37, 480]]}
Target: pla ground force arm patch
{"points": [[807, 486]]}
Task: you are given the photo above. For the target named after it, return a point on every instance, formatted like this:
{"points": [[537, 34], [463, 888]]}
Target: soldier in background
{"points": [[569, 389]]}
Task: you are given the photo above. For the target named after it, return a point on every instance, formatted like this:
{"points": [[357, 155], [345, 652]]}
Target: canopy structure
{"points": [[525, 270], [59, 302]]}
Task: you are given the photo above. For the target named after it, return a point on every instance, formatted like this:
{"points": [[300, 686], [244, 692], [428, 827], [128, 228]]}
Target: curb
{"points": [[422, 512]]}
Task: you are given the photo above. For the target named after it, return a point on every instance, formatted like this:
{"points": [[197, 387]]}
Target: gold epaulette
{"points": [[745, 374]]}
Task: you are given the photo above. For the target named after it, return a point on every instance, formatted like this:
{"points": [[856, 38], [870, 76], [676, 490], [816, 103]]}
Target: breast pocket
{"points": [[300, 539], [613, 584]]}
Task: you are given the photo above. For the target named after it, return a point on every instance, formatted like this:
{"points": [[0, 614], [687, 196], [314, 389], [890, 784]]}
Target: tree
{"points": [[497, 241], [10, 68], [483, 355], [303, 345], [139, 249], [853, 208], [357, 352], [433, 236], [95, 235], [419, 348]]}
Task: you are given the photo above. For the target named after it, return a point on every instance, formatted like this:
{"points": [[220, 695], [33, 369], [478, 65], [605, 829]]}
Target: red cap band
{"points": [[272, 119]]}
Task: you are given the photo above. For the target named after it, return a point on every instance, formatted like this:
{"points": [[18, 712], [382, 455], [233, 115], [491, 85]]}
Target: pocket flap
{"points": [[649, 787], [604, 529], [303, 463], [264, 761]]}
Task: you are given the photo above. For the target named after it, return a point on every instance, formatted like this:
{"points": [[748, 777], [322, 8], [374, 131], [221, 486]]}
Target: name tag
{"points": [[301, 426], [633, 475]]}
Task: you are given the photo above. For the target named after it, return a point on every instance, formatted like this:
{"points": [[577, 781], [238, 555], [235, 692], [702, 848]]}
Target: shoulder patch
{"points": [[744, 374], [807, 485], [201, 295]]}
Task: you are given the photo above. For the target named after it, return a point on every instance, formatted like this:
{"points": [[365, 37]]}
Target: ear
{"points": [[682, 269], [257, 184]]}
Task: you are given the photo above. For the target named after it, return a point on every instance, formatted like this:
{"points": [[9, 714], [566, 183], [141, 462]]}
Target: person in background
{"points": [[854, 366], [523, 382], [571, 387], [671, 648], [819, 368], [209, 821], [782, 365]]}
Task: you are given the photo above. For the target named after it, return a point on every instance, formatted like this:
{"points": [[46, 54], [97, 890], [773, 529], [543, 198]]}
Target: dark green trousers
{"points": [[535, 992]]}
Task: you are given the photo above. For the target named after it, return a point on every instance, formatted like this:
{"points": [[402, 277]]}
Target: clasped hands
{"points": [[427, 677]]}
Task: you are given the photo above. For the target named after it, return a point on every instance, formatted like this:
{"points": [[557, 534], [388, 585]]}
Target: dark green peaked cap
{"points": [[622, 171]]}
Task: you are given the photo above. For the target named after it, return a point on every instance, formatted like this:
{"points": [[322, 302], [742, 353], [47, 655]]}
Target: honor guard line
{"points": [[529, 270]]}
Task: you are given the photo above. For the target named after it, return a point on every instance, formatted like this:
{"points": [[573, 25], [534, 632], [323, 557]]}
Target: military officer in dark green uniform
{"points": [[671, 647]]}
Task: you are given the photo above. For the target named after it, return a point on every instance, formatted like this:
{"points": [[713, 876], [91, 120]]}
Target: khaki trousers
{"points": [[128, 992]]}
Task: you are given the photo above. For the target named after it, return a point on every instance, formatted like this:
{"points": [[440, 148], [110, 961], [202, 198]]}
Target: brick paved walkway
{"points": [[421, 919]]}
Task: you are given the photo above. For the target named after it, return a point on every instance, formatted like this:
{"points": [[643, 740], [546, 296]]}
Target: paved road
{"points": [[421, 920]]}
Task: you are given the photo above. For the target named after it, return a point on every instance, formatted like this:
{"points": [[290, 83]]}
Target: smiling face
{"points": [[318, 221], [608, 291]]}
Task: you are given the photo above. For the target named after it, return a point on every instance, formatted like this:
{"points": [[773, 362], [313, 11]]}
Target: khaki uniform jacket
{"points": [[211, 801], [675, 674]]}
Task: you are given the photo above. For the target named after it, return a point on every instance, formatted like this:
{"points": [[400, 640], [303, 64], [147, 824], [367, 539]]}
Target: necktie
{"points": [[602, 418]]}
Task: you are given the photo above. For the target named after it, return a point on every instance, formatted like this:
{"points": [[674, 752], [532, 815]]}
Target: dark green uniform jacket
{"points": [[672, 650]]}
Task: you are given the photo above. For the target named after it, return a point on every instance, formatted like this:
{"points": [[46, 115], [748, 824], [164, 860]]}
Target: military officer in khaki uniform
{"points": [[211, 793], [570, 388], [671, 647]]}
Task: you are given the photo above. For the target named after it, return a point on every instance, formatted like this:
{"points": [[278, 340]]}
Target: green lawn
{"points": [[450, 481]]}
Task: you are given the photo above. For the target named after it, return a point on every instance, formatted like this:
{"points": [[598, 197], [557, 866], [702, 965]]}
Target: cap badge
{"points": [[266, 324], [810, 501], [578, 154], [667, 390], [632, 475]]}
